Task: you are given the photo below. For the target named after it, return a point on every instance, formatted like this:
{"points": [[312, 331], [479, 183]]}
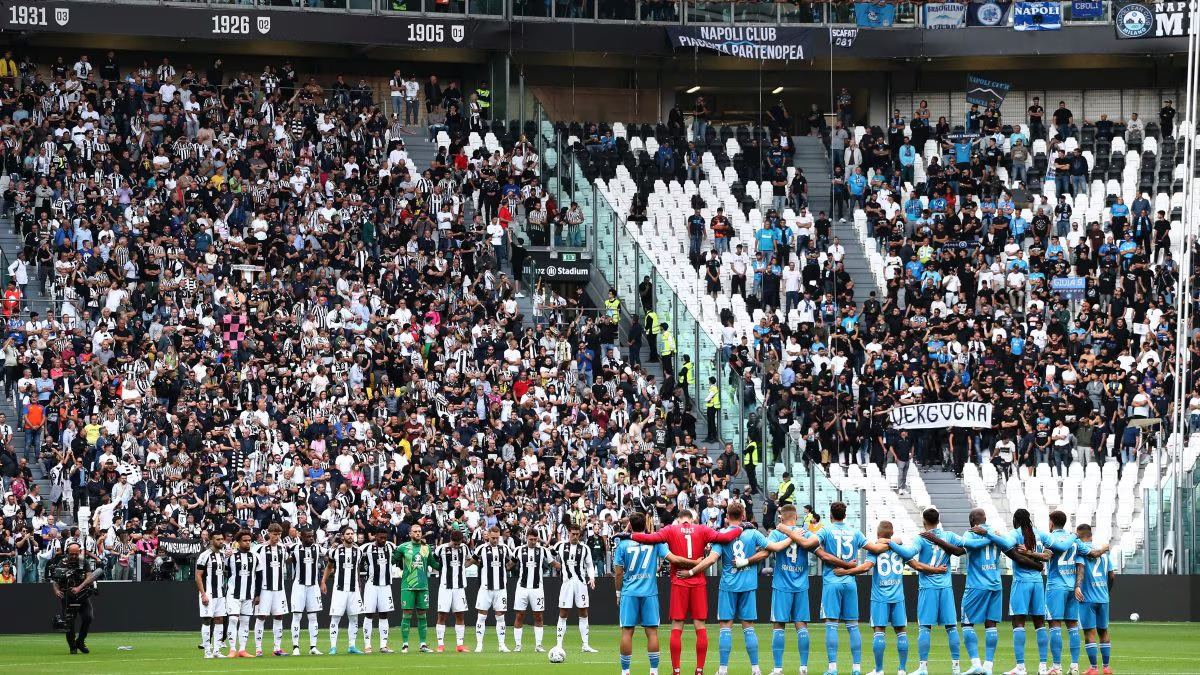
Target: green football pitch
{"points": [[1137, 648]]}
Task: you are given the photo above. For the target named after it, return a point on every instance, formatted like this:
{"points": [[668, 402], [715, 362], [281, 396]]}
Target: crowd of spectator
{"points": [[968, 312], [266, 313]]}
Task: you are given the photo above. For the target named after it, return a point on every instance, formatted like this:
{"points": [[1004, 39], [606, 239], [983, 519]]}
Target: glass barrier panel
{"points": [[575, 9], [617, 10], [756, 12], [803, 12], [485, 7], [533, 8], [666, 11], [842, 12], [709, 12]]}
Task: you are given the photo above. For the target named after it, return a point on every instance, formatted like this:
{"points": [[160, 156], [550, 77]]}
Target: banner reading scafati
{"points": [[942, 415], [747, 42]]}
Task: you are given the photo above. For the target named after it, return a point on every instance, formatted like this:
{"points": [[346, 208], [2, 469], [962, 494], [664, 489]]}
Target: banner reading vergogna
{"points": [[941, 415]]}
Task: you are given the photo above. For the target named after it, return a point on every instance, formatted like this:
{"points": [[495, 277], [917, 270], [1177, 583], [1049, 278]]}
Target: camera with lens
{"points": [[69, 573]]}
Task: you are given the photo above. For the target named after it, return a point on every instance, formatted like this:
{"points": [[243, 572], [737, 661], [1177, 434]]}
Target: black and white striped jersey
{"points": [[242, 572], [211, 566], [453, 560], [576, 561], [378, 562], [307, 564], [345, 561], [493, 567], [531, 565]]}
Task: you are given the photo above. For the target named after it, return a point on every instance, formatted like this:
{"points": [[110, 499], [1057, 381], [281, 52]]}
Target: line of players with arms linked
{"points": [[1059, 578]]}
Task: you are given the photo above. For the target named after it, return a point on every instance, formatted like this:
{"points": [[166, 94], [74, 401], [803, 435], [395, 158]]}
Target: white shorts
{"points": [[345, 602], [452, 600], [58, 492], [214, 609], [377, 599], [306, 598], [573, 594], [239, 607], [530, 598], [271, 603], [491, 600]]}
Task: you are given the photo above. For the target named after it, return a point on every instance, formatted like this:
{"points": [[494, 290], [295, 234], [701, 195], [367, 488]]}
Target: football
{"points": [[1134, 617], [557, 655]]}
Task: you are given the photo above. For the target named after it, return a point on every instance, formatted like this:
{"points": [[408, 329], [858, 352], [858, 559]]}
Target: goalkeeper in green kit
{"points": [[414, 558]]}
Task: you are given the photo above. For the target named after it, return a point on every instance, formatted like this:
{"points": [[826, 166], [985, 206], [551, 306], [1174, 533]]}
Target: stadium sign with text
{"points": [[941, 415], [1151, 20], [565, 268], [747, 42]]}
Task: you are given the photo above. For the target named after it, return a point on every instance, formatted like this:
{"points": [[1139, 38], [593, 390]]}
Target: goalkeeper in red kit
{"points": [[689, 595]]}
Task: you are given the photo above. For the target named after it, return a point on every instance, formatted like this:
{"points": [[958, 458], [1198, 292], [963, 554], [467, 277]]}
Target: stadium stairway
{"points": [[947, 494], [813, 158], [39, 302]]}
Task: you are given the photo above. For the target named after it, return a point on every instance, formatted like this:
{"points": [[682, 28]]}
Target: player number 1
{"points": [[687, 538]]}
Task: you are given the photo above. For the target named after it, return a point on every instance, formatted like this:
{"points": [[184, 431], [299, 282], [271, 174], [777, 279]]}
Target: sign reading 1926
{"points": [[239, 24]]}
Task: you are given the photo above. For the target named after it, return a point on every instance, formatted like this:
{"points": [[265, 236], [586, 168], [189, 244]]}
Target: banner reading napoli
{"points": [[1151, 19], [1029, 16], [982, 91], [941, 415], [1087, 9], [874, 15], [747, 42], [989, 14], [945, 15]]}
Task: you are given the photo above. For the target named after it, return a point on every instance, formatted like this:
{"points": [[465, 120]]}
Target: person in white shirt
{"points": [[836, 251], [739, 265], [791, 287]]}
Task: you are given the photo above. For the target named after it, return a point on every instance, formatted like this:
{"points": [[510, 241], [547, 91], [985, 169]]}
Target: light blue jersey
{"points": [[1060, 572], [983, 561], [887, 577], [930, 554], [641, 563], [1095, 575], [1020, 573], [842, 541], [747, 544], [791, 564]]}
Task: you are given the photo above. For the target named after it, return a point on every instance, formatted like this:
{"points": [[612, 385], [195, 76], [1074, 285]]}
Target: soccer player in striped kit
{"points": [[306, 593], [210, 581], [273, 561], [342, 564], [494, 561], [241, 571], [573, 559], [377, 596], [531, 559], [452, 589]]}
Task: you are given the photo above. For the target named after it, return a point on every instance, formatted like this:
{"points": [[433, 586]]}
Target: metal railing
{"points": [[907, 15]]}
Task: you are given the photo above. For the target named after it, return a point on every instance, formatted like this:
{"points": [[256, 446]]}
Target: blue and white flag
{"points": [[1037, 16], [945, 15], [981, 91], [874, 15], [1087, 9]]}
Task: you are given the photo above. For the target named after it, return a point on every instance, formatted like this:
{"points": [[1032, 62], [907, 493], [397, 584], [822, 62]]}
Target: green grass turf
{"points": [[1137, 648]]}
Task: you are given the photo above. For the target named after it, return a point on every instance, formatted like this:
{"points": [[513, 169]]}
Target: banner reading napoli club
{"points": [[747, 42], [942, 15], [1029, 16], [874, 15], [1135, 20], [988, 14]]}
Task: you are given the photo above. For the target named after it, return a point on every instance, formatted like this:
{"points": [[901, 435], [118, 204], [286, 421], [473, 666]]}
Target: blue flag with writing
{"points": [[1087, 9], [1029, 16], [873, 15]]}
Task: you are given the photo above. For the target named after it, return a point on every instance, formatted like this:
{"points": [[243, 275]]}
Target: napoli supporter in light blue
{"points": [[982, 600], [791, 544], [935, 597], [887, 593], [839, 594], [1027, 597], [635, 569], [736, 594], [1094, 578]]}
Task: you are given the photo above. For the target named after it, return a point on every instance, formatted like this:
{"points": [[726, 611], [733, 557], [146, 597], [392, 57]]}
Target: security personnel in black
{"points": [[652, 329], [687, 379], [750, 463], [490, 197], [483, 94], [73, 576]]}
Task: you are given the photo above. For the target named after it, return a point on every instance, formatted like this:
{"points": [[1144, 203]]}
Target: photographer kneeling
{"points": [[74, 577]]}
